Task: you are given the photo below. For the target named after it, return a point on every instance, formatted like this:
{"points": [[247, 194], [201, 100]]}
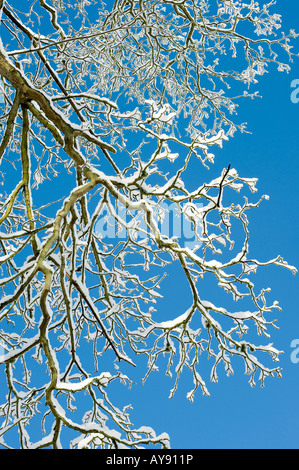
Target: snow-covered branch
{"points": [[105, 111]]}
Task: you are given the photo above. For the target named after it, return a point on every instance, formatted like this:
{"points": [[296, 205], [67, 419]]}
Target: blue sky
{"points": [[236, 415]]}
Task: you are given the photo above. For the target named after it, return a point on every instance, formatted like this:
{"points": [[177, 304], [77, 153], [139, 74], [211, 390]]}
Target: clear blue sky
{"points": [[235, 415]]}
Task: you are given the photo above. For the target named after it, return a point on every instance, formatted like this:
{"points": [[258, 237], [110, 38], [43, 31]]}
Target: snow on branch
{"points": [[105, 112]]}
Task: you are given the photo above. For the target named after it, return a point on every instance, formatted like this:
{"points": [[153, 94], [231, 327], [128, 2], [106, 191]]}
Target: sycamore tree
{"points": [[105, 108]]}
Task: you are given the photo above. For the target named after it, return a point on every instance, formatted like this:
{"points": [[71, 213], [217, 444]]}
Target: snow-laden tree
{"points": [[118, 102]]}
